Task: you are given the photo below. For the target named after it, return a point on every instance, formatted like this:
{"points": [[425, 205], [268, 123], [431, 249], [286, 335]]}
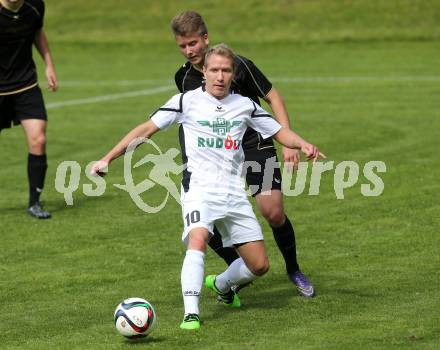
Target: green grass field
{"points": [[361, 79]]}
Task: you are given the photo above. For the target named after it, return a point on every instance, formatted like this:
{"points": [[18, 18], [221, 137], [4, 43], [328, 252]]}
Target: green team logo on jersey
{"points": [[221, 126]]}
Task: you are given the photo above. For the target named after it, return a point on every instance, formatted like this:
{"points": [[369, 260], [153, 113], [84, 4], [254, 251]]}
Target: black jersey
{"points": [[17, 34], [248, 81]]}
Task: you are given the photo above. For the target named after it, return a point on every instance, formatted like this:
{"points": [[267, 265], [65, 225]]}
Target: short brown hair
{"points": [[221, 50], [188, 22]]}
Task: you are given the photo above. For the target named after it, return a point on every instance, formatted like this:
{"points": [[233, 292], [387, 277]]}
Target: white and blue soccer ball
{"points": [[135, 318]]}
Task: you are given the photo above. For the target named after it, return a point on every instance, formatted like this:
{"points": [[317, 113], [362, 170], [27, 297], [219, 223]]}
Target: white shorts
{"points": [[231, 214]]}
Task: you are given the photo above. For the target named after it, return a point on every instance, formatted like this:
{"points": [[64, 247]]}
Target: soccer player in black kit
{"points": [[191, 36], [21, 101]]}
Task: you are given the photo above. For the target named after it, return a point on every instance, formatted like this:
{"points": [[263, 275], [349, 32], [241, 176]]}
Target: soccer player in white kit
{"points": [[212, 124]]}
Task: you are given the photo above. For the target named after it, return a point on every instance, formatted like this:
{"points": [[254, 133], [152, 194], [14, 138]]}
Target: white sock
{"points": [[237, 273], [192, 279]]}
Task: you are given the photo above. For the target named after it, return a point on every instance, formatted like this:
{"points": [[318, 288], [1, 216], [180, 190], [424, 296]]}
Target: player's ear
{"points": [[205, 38]]}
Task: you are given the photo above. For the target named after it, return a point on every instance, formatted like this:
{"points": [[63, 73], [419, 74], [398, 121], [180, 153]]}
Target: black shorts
{"points": [[28, 104], [262, 170]]}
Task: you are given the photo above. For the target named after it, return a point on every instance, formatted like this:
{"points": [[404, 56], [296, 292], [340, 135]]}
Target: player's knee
{"points": [[38, 142], [274, 216], [197, 244], [197, 241], [261, 267]]}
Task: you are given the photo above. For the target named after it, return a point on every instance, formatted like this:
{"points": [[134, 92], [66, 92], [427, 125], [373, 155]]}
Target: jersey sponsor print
{"points": [[211, 134]]}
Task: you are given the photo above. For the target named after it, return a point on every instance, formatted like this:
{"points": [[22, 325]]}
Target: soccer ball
{"points": [[135, 318]]}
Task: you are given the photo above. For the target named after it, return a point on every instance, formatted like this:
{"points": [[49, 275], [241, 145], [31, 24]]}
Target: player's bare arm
{"points": [[292, 140], [42, 46], [143, 131], [276, 102]]}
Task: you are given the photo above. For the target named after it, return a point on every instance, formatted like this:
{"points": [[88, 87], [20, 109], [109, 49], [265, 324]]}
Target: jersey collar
{"points": [[203, 87]]}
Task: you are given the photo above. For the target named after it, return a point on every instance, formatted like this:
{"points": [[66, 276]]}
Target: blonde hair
{"points": [[188, 22], [221, 50]]}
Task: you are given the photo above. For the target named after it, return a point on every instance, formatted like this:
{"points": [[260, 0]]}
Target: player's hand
{"points": [[291, 158], [312, 152], [51, 78], [100, 168]]}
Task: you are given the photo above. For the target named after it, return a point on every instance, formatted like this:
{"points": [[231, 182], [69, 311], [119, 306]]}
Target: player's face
{"points": [[13, 3], [218, 72], [193, 46]]}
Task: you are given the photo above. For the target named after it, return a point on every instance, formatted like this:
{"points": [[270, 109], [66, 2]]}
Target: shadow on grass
{"points": [[262, 298], [143, 341], [356, 293], [81, 202], [257, 298], [57, 206]]}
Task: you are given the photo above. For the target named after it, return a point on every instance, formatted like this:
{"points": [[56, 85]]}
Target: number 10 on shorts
{"points": [[192, 218]]}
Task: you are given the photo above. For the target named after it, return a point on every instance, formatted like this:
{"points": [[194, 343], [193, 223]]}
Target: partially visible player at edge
{"points": [[21, 101], [212, 187], [191, 36]]}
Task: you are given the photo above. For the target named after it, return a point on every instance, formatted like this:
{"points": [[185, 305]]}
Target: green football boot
{"points": [[229, 298], [190, 322]]}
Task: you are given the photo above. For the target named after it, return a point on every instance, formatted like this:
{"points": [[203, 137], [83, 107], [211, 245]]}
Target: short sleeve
{"points": [[178, 78], [252, 78], [263, 122], [40, 7], [170, 113]]}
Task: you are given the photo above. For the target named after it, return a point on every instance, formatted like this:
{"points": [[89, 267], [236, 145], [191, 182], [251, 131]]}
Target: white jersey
{"points": [[211, 132]]}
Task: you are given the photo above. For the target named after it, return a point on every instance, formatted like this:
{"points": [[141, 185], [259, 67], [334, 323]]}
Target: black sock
{"points": [[37, 166], [285, 238], [228, 254]]}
